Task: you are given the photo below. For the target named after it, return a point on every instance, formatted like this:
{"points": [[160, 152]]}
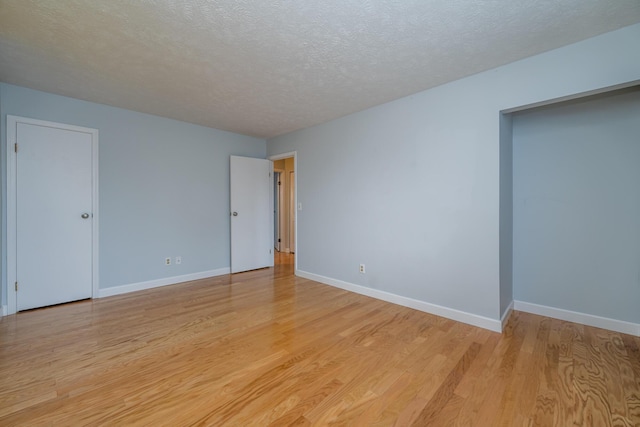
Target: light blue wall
{"points": [[164, 185], [3, 243], [506, 212], [577, 207], [411, 187]]}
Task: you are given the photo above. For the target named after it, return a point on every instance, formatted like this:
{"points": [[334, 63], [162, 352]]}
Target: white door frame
{"points": [[10, 232], [292, 211], [278, 217], [293, 154]]}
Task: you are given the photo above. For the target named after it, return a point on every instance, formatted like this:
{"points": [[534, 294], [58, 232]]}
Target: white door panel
{"points": [[251, 213], [54, 190]]}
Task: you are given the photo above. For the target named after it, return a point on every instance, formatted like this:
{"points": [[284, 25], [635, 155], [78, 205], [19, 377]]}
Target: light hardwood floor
{"points": [[267, 348]]}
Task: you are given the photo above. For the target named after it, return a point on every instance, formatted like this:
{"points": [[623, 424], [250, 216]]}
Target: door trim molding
{"points": [[10, 230], [279, 247]]}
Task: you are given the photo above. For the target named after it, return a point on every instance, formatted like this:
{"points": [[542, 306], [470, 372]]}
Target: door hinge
{"points": [[16, 286], [15, 147], [279, 183], [278, 240]]}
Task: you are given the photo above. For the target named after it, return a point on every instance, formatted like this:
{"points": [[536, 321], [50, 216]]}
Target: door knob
{"points": [[85, 215], [235, 214]]}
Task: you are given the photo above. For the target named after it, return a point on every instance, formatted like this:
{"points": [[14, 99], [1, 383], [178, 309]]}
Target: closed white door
{"points": [[53, 216], [251, 213]]}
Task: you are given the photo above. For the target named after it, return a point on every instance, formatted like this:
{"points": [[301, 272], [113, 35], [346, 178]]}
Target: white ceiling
{"points": [[264, 68]]}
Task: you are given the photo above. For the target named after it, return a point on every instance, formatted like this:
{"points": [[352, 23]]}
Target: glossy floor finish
{"points": [[267, 348]]}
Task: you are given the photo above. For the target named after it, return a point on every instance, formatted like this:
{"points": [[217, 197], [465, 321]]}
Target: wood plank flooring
{"points": [[267, 348]]}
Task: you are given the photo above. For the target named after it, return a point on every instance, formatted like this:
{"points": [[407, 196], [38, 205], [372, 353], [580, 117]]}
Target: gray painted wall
{"points": [[577, 207], [164, 185], [411, 187]]}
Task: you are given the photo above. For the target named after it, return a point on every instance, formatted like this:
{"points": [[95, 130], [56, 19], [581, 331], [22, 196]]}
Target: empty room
{"points": [[246, 213]]}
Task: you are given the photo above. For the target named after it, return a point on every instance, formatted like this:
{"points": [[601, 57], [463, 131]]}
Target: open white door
{"points": [[251, 213]]}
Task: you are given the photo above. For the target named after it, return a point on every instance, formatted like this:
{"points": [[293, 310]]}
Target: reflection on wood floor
{"points": [[268, 348]]}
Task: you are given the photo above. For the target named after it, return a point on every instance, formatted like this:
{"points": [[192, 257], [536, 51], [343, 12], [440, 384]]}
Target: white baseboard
{"points": [[123, 289], [438, 310], [576, 317], [506, 314], [4, 310]]}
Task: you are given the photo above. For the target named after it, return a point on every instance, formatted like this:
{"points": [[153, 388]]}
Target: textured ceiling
{"points": [[264, 68]]}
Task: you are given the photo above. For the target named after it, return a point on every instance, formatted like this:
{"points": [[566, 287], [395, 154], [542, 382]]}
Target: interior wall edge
{"points": [[506, 314]]}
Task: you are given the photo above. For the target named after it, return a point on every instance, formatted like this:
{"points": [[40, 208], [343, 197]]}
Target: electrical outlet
{"points": [[167, 261], [362, 268], [178, 260]]}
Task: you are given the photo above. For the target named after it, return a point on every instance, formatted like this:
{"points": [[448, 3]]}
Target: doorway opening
{"points": [[568, 218], [285, 205]]}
